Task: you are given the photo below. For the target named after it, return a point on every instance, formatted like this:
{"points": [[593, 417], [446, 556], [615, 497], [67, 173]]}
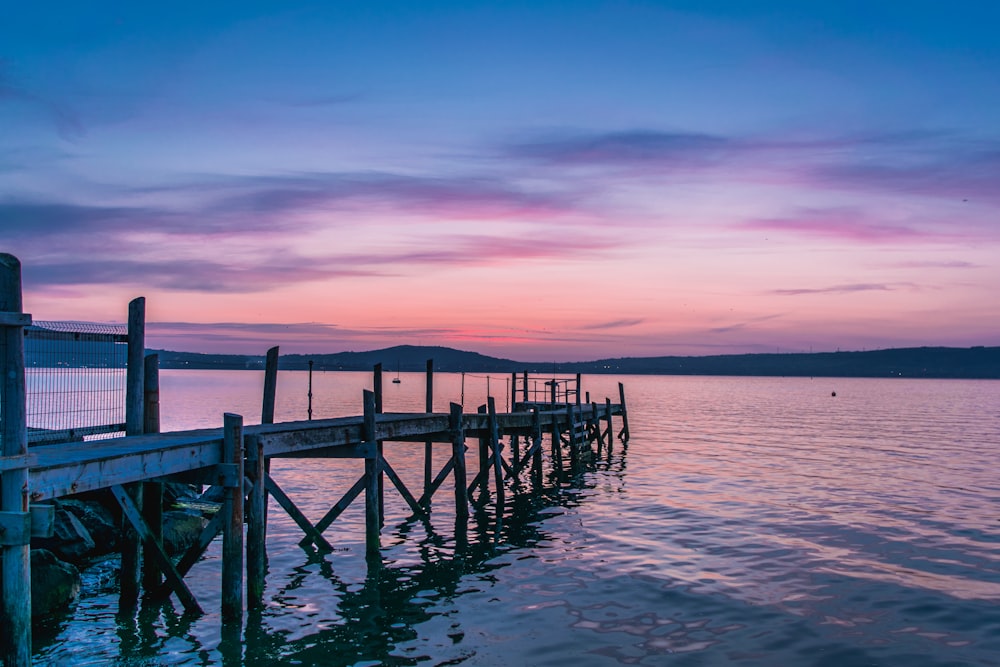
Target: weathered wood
{"points": [[458, 456], [232, 529], [579, 378], [377, 389], [373, 474], [337, 510], [624, 434], [270, 386], [15, 602], [193, 553], [152, 491], [495, 444], [136, 365], [482, 475], [436, 483], [428, 444], [610, 433], [131, 549], [403, 491], [267, 417], [133, 514], [597, 426], [296, 514], [256, 536]]}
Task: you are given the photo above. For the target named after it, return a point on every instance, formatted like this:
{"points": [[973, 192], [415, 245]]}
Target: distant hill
{"points": [[921, 362]]}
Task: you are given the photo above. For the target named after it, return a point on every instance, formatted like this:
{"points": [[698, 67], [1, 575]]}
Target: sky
{"points": [[541, 181]]}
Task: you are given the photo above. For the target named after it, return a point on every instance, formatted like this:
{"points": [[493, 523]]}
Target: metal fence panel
{"points": [[75, 377]]}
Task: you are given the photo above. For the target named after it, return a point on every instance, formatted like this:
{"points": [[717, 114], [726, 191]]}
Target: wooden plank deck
{"points": [[75, 467]]}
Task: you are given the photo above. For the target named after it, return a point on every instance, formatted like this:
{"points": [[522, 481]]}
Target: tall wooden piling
{"points": [[372, 476], [624, 435], [256, 533], [257, 470], [15, 630], [232, 529], [496, 459], [131, 560], [458, 455], [556, 444], [484, 459], [377, 389], [152, 492], [429, 445]]}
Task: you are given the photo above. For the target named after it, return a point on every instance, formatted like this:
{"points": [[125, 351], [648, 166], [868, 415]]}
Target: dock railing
{"points": [[75, 380]]}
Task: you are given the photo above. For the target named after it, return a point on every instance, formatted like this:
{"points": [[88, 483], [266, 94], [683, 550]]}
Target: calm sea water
{"points": [[750, 521]]}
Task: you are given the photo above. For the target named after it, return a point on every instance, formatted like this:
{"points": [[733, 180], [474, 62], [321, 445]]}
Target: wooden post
{"points": [[372, 476], [270, 386], [152, 492], [458, 454], [377, 388], [513, 389], [578, 397], [484, 460], [525, 386], [556, 445], [610, 432], [232, 529], [429, 445], [536, 457], [497, 461], [596, 421], [134, 382], [267, 417], [256, 534], [134, 425], [624, 435], [15, 630], [260, 468]]}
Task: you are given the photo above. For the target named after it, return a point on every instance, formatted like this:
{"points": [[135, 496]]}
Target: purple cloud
{"points": [[841, 223]]}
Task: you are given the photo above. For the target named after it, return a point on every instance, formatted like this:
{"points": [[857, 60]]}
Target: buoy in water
{"points": [[833, 393]]}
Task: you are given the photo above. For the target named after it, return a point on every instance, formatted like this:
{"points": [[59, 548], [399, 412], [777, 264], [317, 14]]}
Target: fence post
{"points": [[15, 631]]}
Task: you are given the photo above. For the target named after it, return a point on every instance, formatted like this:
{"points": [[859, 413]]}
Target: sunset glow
{"points": [[538, 181]]}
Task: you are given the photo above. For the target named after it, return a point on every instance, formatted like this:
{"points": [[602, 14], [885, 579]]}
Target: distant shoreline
{"points": [[921, 362]]}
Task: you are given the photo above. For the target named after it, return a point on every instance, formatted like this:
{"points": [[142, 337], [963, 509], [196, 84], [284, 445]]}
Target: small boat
{"points": [[396, 379]]}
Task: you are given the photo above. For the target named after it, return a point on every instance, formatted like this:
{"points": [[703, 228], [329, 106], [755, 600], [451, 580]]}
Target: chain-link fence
{"points": [[75, 380]]}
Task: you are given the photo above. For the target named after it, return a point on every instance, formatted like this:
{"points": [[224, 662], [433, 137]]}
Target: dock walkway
{"points": [[237, 458]]}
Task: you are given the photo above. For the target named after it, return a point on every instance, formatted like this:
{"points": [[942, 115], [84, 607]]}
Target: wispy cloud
{"points": [[631, 148], [838, 289], [64, 118], [850, 224], [615, 324]]}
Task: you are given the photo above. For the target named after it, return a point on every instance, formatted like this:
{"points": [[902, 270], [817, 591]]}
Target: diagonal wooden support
{"points": [[403, 491], [173, 578], [191, 556], [438, 481], [337, 510], [297, 516], [535, 446]]}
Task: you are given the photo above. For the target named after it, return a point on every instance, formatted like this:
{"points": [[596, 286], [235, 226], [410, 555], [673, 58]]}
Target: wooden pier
{"points": [[236, 458]]}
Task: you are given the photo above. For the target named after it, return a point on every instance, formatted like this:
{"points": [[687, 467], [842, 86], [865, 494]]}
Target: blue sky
{"points": [[533, 180]]}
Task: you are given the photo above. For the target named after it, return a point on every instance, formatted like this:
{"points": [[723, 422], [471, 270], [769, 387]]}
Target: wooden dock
{"points": [[236, 458]]}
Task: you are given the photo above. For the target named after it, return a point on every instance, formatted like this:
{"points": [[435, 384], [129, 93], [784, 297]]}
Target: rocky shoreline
{"points": [[88, 527]]}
